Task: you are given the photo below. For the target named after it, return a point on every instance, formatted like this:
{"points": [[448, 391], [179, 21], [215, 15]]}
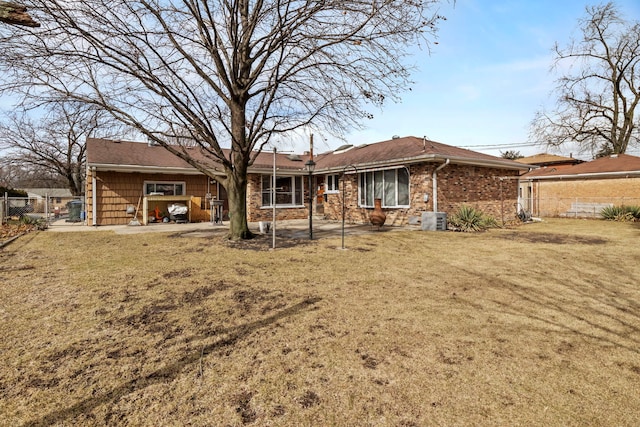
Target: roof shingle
{"points": [[545, 159], [405, 150], [620, 163]]}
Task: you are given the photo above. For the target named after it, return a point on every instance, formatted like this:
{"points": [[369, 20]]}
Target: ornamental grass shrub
{"points": [[621, 213], [468, 219]]}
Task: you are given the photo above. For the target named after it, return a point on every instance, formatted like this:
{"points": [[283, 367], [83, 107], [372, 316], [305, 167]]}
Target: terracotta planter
{"points": [[377, 216]]}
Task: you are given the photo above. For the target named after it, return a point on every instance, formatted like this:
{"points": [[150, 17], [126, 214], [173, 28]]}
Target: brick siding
{"points": [[553, 198], [255, 211], [492, 191], [485, 189]]}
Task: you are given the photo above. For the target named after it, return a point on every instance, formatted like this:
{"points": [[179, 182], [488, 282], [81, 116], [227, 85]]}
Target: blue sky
{"points": [[485, 79], [487, 76]]}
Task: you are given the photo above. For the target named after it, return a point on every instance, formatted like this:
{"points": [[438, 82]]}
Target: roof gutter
{"points": [[147, 169], [185, 171], [623, 174], [434, 180], [372, 166]]}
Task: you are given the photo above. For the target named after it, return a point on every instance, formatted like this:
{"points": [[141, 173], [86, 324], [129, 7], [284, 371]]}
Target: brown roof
{"points": [[130, 156], [616, 164], [406, 150], [544, 159], [135, 155]]}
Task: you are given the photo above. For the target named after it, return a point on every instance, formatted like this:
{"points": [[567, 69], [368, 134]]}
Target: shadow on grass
{"points": [[611, 318], [169, 372]]}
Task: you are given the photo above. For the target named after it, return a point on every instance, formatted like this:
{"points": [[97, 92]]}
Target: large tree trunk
{"points": [[236, 185], [236, 182]]}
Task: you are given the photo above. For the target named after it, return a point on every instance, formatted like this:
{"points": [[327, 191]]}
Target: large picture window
{"points": [[164, 188], [391, 186], [288, 190]]}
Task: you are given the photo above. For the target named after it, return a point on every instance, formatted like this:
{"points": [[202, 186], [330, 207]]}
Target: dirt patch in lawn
{"points": [[553, 238], [262, 242], [259, 242]]}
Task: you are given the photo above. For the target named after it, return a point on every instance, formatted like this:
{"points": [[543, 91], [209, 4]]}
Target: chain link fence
{"points": [[46, 208], [14, 208]]}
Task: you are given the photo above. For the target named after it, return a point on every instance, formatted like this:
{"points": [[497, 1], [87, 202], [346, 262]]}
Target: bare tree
{"points": [[27, 176], [53, 145], [600, 87], [8, 176], [511, 154], [228, 74]]}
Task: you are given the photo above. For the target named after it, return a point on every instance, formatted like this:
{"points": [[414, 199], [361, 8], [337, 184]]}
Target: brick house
{"points": [[52, 198], [540, 160], [411, 175], [582, 189], [549, 160]]}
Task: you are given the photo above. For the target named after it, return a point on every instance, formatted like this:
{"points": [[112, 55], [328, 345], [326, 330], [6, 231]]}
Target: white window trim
{"points": [[360, 204], [337, 184], [293, 191], [183, 183]]}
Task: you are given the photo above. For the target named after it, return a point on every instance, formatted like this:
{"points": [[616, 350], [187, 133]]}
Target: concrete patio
{"points": [[293, 229]]}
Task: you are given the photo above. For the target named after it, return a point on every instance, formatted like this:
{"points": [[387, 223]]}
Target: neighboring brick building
{"points": [[411, 175], [583, 189], [549, 160]]}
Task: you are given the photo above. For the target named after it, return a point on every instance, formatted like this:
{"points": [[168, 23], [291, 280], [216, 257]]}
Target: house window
{"points": [[391, 186], [333, 183], [164, 188], [288, 190]]}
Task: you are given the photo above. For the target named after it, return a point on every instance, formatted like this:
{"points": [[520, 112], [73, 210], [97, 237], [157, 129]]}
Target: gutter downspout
{"points": [[434, 179], [94, 201]]}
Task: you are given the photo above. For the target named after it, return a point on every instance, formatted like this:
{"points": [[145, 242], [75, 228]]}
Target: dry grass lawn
{"points": [[533, 326]]}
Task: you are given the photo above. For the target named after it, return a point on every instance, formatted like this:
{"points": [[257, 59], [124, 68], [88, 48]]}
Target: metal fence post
{"points": [[46, 209], [4, 207]]}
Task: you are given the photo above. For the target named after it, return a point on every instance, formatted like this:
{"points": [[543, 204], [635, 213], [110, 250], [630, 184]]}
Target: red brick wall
{"points": [[479, 187], [555, 197], [255, 211], [492, 191]]}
